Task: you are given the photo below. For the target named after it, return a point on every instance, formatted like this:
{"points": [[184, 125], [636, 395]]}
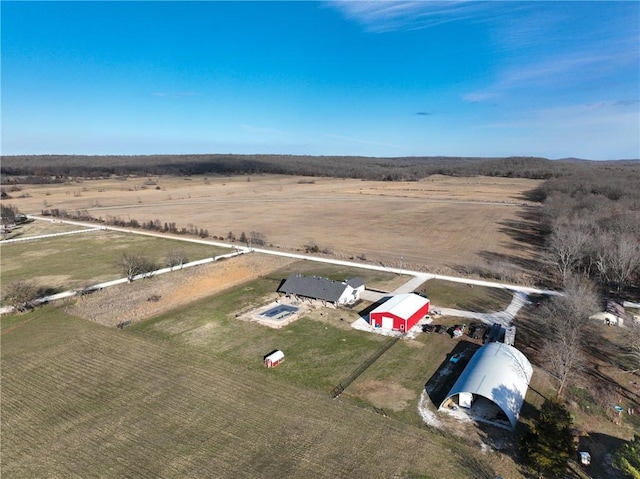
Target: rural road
{"points": [[418, 276]]}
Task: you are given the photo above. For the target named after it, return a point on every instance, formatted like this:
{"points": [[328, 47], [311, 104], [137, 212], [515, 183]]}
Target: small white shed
{"points": [[274, 359], [608, 319]]}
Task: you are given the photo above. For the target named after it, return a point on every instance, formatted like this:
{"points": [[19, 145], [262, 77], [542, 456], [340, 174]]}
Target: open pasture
{"points": [[79, 260], [38, 228], [440, 223], [83, 400], [481, 299]]}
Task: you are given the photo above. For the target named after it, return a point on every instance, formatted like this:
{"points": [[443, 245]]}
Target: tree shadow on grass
{"points": [[529, 265], [525, 231], [532, 332]]}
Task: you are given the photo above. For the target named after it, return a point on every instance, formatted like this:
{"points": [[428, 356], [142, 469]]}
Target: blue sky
{"points": [[551, 79]]}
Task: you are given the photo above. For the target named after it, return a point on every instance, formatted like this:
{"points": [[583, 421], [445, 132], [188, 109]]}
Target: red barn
{"points": [[401, 312]]}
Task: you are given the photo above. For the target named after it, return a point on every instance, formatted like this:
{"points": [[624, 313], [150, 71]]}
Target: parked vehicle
{"points": [[428, 328], [455, 358]]}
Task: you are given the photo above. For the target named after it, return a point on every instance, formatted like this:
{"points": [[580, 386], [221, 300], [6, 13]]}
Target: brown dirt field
{"points": [[439, 223], [131, 301]]}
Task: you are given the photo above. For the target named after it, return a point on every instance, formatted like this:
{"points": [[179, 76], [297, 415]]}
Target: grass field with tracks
{"points": [[185, 394], [83, 400], [68, 262]]}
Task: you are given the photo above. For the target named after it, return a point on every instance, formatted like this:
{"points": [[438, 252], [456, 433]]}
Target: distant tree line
{"points": [[58, 168]]}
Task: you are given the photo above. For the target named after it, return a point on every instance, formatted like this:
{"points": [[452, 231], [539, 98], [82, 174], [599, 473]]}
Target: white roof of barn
{"points": [[402, 305], [275, 356], [500, 373]]}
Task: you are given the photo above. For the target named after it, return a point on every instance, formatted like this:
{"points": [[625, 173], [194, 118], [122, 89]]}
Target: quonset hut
{"points": [[493, 386]]}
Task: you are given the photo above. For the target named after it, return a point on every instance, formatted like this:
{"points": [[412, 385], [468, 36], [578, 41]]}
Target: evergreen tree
{"points": [[627, 458], [549, 444]]}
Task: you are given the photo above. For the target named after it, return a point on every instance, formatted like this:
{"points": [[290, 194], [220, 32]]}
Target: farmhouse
{"points": [[401, 312], [323, 289], [493, 386]]}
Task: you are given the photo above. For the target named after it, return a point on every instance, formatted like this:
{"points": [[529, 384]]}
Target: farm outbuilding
{"points": [[323, 289], [273, 359], [401, 312], [493, 385]]}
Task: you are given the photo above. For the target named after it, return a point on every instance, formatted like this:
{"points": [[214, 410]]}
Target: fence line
{"points": [[51, 235], [339, 389]]}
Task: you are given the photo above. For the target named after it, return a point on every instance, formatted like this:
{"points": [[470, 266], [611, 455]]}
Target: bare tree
{"points": [[567, 318], [20, 294], [563, 357], [176, 258], [567, 246], [624, 259], [633, 345], [617, 257], [134, 264], [8, 214], [256, 238]]}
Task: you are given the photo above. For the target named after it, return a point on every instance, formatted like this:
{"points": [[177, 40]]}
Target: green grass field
{"points": [[82, 400], [68, 262], [481, 299], [185, 394]]}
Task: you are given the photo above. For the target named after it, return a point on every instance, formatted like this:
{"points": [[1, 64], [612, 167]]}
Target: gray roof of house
{"points": [[355, 282], [313, 287]]}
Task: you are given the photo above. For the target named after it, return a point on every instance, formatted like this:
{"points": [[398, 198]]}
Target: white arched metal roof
{"points": [[500, 373]]}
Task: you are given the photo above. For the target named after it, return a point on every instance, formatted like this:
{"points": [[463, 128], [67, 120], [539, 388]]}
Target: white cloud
{"points": [[382, 16], [598, 130], [562, 71]]}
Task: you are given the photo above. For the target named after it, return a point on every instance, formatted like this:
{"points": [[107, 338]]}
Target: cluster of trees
{"points": [[253, 238], [56, 168], [591, 224], [133, 264], [151, 225], [593, 227], [548, 444]]}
